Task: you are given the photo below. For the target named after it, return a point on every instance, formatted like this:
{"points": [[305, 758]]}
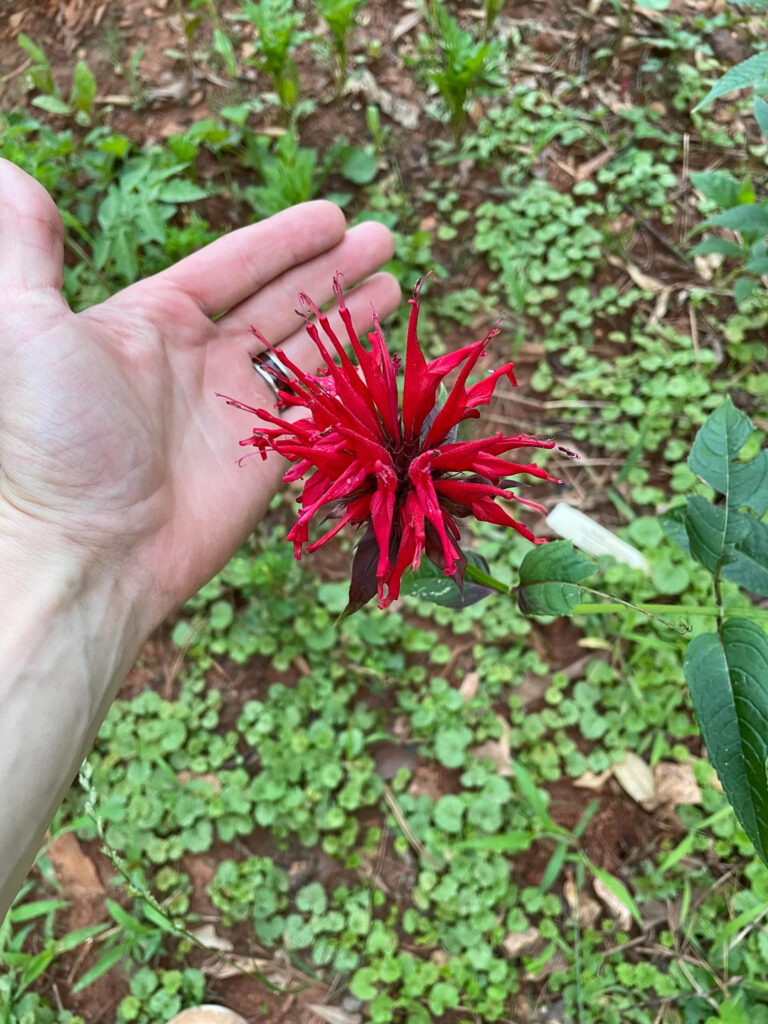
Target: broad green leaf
{"points": [[749, 219], [749, 72], [673, 525], [719, 245], [83, 87], [761, 114], [712, 531], [719, 186], [181, 191], [758, 265], [222, 44], [37, 53], [431, 584], [363, 984], [359, 166], [728, 679], [714, 458], [749, 559], [549, 578], [52, 104], [743, 287]]}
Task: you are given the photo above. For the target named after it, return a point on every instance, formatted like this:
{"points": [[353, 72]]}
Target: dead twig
{"points": [[408, 832]]}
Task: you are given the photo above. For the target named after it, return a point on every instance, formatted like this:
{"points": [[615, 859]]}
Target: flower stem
{"points": [[472, 572]]}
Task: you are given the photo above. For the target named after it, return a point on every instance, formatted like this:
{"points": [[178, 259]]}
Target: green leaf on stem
{"points": [[749, 72], [713, 531], [728, 679], [714, 458], [431, 584], [749, 565], [549, 578]]}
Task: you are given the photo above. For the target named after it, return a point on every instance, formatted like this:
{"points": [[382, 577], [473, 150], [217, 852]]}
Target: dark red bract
{"points": [[397, 470]]}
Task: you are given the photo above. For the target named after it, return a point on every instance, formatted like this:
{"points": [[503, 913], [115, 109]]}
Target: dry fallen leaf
{"points": [[469, 685], [74, 869], [333, 1014], [635, 777], [591, 781], [210, 938], [208, 1014], [707, 264], [588, 168], [521, 943], [405, 113], [497, 750], [641, 279], [674, 784], [613, 904]]}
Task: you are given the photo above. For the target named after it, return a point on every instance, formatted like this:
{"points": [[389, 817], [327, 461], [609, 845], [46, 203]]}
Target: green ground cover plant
{"points": [[431, 813]]}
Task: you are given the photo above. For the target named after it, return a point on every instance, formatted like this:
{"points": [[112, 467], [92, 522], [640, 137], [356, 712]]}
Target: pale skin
{"points": [[120, 494]]}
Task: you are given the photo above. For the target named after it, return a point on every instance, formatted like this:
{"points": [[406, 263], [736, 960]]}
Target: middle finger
{"points": [[362, 251]]}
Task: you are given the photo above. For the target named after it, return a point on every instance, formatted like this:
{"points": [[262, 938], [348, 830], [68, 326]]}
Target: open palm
{"points": [[111, 436]]}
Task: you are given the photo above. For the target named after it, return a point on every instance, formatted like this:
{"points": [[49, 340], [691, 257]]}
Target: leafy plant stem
{"points": [[477, 575], [682, 629]]}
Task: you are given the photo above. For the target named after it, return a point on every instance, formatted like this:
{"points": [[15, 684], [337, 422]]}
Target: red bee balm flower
{"points": [[399, 471]]}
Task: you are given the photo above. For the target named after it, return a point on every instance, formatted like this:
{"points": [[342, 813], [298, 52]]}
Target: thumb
{"points": [[31, 233]]}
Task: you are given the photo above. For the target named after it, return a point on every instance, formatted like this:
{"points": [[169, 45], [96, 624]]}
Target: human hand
{"points": [[112, 442]]}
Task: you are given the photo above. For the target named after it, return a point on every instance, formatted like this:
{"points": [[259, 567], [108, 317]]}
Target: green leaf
{"points": [[715, 453], [719, 186], [728, 679], [451, 743], [673, 525], [431, 584], [712, 531], [103, 964], [28, 911], [360, 167], [83, 87], [37, 53], [748, 218], [548, 579], [362, 985], [749, 565], [743, 287], [222, 44], [749, 72], [181, 191], [719, 245], [53, 104], [761, 114], [442, 996], [449, 813]]}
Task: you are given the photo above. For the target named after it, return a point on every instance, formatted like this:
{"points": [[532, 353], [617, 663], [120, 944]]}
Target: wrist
{"points": [[70, 633], [41, 564]]}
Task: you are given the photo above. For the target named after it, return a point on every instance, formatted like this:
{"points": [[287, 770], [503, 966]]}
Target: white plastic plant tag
{"points": [[593, 538]]}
